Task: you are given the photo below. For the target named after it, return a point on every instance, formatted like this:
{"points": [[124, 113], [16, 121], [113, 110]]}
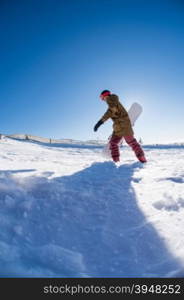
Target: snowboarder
{"points": [[121, 127]]}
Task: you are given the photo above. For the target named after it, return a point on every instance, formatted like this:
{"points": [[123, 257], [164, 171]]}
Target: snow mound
{"points": [[67, 212]]}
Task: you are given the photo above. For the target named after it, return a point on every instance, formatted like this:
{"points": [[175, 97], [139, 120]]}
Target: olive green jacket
{"points": [[119, 116]]}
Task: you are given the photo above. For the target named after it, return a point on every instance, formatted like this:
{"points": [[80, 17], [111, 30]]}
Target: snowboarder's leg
{"points": [[136, 147], [114, 147]]}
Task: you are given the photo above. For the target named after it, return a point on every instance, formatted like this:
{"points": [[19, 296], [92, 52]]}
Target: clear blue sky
{"points": [[56, 56]]}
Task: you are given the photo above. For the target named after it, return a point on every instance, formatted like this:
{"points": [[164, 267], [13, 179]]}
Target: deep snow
{"points": [[69, 212]]}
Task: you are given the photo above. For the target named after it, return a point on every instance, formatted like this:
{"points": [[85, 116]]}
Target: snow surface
{"points": [[66, 211]]}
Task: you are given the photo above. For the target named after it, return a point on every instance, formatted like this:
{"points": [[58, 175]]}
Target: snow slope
{"points": [[68, 212]]}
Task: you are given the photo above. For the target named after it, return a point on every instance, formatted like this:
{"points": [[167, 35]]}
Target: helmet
{"points": [[104, 94]]}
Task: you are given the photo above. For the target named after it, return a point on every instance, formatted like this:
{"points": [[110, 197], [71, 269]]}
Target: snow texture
{"points": [[66, 211]]}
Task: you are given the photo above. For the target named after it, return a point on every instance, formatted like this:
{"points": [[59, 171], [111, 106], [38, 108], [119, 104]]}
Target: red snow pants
{"points": [[130, 140]]}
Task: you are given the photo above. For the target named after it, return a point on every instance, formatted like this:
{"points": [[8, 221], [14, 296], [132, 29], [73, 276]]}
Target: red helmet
{"points": [[104, 94]]}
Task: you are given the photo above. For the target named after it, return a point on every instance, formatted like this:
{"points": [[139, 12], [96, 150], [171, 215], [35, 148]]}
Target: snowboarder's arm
{"points": [[107, 115]]}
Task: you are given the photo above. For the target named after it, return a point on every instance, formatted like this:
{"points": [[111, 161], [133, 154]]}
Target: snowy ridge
{"points": [[67, 212], [44, 140], [53, 141]]}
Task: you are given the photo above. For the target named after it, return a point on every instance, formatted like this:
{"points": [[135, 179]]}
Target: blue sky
{"points": [[57, 56]]}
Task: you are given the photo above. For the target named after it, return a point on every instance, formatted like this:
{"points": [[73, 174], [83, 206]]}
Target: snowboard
{"points": [[134, 112]]}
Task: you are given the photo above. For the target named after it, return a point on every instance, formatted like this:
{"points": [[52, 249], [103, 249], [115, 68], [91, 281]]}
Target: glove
{"points": [[98, 125]]}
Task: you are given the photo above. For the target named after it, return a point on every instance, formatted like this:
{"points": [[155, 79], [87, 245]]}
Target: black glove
{"points": [[98, 125]]}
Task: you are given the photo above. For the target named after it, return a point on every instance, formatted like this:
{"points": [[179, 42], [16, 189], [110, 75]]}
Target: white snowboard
{"points": [[134, 112]]}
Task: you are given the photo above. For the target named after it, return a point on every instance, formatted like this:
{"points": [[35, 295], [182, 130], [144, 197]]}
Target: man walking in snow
{"points": [[121, 127]]}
